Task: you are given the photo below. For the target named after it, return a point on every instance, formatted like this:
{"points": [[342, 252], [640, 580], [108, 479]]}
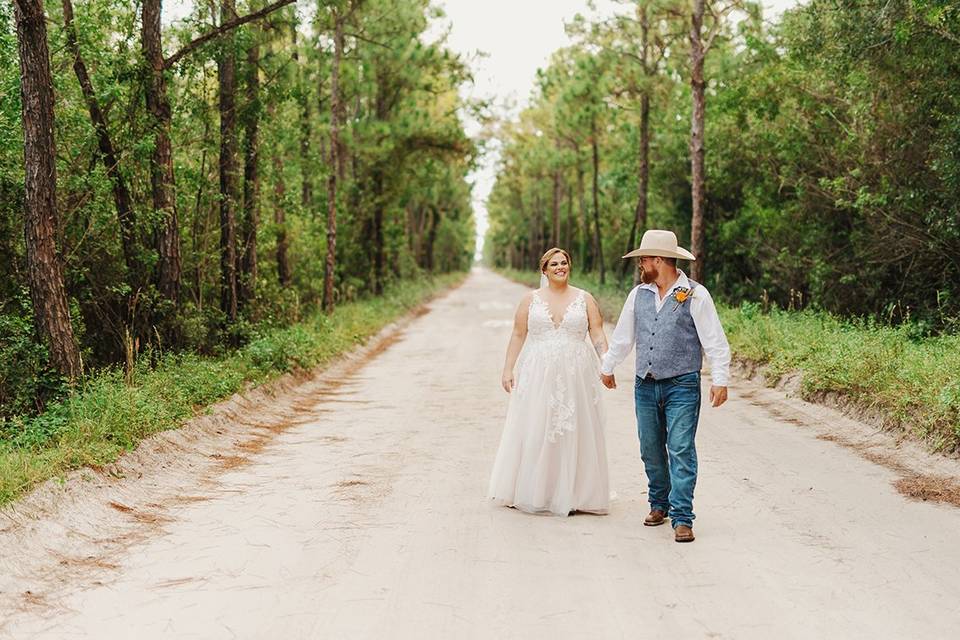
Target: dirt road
{"points": [[368, 521]]}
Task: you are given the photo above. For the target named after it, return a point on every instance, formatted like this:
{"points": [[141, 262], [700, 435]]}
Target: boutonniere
{"points": [[681, 295]]}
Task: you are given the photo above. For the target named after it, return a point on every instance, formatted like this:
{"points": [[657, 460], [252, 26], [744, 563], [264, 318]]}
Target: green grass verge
{"points": [[105, 416], [915, 382]]}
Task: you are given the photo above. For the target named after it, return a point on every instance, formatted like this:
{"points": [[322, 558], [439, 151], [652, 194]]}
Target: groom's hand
{"points": [[608, 381], [718, 395]]}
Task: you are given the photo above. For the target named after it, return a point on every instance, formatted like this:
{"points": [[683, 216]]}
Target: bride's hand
{"points": [[507, 381]]}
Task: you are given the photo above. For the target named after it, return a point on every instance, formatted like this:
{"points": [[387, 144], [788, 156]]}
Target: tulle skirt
{"points": [[552, 457]]}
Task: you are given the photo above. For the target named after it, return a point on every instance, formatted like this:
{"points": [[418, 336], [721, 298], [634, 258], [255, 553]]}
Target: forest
{"points": [[184, 187], [810, 162]]}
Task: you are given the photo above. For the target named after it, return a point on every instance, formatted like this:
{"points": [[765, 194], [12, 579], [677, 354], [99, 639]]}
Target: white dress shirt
{"points": [[705, 319]]}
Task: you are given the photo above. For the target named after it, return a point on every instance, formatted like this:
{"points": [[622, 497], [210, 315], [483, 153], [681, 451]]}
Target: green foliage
{"points": [[107, 416], [912, 380], [406, 159], [25, 381], [833, 161]]}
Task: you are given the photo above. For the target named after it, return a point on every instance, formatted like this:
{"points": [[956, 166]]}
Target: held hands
{"points": [[718, 395], [507, 381]]}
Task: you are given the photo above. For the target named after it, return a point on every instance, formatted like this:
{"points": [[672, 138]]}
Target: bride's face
{"points": [[558, 269]]}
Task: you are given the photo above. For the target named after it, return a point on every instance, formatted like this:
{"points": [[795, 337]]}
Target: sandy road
{"points": [[369, 521]]}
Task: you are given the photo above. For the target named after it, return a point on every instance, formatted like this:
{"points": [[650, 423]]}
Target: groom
{"points": [[671, 321]]}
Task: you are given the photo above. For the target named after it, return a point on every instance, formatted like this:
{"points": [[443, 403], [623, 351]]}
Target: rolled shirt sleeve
{"points": [[623, 339], [712, 337]]}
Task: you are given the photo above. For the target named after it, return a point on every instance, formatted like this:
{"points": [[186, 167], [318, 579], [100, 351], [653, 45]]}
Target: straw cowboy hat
{"points": [[662, 244]]}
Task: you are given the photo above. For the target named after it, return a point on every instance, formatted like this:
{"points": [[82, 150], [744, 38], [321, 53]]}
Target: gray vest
{"points": [[667, 342]]}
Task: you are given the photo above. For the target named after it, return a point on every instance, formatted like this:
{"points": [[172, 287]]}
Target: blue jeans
{"points": [[667, 414]]}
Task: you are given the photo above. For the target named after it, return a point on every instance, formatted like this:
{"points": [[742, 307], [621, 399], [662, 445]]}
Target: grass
{"points": [[105, 416], [914, 382]]}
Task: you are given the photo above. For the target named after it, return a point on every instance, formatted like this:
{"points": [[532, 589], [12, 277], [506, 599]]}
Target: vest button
{"points": [[651, 348]]}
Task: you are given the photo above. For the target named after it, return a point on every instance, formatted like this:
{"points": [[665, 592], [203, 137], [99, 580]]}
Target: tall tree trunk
{"points": [[697, 152], [432, 237], [44, 268], [251, 172], [197, 230], [584, 220], [279, 211], [595, 146], [532, 247], [108, 156], [643, 180], [538, 221], [348, 155], [643, 168], [555, 230], [279, 218], [422, 220], [382, 112], [571, 223], [306, 129], [378, 246], [167, 234], [336, 111], [227, 72]]}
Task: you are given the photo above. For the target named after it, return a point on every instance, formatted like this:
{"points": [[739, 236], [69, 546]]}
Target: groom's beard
{"points": [[647, 277]]}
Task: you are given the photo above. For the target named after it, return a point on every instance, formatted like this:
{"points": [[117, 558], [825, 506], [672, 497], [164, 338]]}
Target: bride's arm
{"points": [[517, 338], [597, 337]]}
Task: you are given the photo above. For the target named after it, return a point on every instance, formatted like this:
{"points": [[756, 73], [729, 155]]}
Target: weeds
{"points": [[107, 415]]}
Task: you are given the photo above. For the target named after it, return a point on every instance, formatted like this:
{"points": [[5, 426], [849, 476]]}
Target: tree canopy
{"points": [[192, 163], [832, 160]]}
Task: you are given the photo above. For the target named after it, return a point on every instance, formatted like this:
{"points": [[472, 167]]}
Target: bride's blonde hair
{"points": [[550, 253]]}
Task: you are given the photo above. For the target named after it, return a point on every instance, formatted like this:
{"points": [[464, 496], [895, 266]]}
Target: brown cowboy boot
{"points": [[655, 518], [683, 533]]}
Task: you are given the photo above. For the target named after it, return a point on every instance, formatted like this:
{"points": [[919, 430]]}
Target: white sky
{"points": [[517, 37]]}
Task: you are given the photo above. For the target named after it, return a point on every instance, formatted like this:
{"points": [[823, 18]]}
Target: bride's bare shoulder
{"points": [[583, 292], [590, 300]]}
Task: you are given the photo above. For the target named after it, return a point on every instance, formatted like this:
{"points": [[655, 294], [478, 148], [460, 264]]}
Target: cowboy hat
{"points": [[663, 244]]}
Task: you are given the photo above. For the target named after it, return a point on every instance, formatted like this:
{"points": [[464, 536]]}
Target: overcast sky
{"points": [[517, 37]]}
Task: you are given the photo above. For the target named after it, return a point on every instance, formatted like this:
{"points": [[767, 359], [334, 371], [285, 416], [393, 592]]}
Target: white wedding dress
{"points": [[552, 457]]}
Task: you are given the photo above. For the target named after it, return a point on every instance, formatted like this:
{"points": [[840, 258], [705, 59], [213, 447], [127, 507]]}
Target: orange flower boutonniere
{"points": [[681, 295]]}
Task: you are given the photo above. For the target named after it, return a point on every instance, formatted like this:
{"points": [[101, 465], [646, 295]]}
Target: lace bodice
{"points": [[557, 351], [542, 326]]}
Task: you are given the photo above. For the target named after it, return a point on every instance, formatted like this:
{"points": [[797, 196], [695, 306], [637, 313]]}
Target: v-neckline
{"points": [[550, 315]]}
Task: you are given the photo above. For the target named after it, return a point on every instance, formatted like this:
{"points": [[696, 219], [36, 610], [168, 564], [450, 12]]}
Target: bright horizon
{"points": [[507, 73], [515, 39]]}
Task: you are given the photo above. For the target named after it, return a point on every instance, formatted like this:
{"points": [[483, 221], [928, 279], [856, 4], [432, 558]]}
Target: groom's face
{"points": [[648, 269]]}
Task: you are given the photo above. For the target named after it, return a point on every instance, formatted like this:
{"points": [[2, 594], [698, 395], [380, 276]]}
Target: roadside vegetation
{"points": [[111, 412], [912, 379]]}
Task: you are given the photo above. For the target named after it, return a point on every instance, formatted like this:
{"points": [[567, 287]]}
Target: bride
{"points": [[552, 457]]}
